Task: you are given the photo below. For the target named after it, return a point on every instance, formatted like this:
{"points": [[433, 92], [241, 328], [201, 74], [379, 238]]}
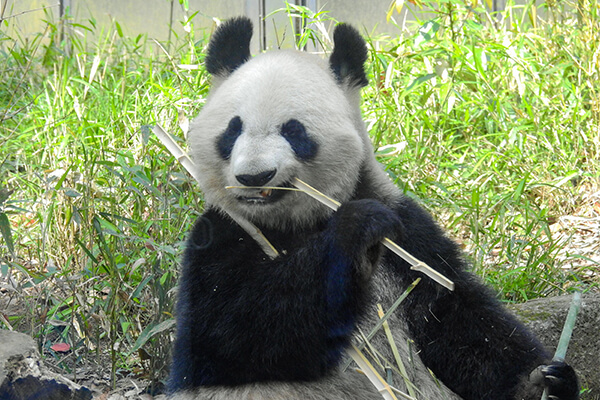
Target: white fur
{"points": [[266, 92], [349, 385]]}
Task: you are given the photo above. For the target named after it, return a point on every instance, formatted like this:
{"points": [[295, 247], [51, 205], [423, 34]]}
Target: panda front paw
{"points": [[559, 379], [359, 226]]}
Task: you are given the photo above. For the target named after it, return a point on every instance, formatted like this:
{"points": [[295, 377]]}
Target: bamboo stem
{"points": [[176, 151], [382, 386], [189, 166], [565, 336], [386, 316], [264, 243], [415, 263], [390, 337]]}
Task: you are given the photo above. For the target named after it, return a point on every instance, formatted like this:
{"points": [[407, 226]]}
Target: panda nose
{"points": [[256, 180]]}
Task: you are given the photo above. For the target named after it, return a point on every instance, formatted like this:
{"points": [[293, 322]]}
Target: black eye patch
{"points": [[228, 138], [294, 132]]}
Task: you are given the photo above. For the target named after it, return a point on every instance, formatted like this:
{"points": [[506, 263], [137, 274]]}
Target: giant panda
{"points": [[254, 326]]}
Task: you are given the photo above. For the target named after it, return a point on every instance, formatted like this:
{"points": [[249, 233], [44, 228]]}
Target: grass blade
{"points": [[6, 232]]}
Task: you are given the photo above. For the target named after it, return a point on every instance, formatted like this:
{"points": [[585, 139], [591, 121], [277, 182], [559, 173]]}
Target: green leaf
{"points": [[119, 30], [419, 81], [4, 194], [142, 284], [427, 32], [86, 250], [475, 198], [6, 232], [150, 331], [519, 190], [72, 193]]}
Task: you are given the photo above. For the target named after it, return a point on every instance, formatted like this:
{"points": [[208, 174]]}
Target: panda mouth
{"points": [[266, 195]]}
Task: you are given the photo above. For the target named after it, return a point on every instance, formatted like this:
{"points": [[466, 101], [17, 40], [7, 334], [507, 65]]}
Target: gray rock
{"points": [[546, 318], [23, 376], [17, 351]]}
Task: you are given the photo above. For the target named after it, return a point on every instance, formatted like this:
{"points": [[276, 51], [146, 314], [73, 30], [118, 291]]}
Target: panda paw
{"points": [[559, 379], [359, 226], [364, 223]]}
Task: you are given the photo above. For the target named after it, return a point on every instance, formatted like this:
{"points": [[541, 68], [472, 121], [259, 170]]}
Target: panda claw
{"points": [[545, 369]]}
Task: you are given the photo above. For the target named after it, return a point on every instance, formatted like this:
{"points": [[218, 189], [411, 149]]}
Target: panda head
{"points": [[278, 116]]}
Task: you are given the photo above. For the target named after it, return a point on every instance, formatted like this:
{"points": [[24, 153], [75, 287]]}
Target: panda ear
{"points": [[349, 56], [229, 46]]}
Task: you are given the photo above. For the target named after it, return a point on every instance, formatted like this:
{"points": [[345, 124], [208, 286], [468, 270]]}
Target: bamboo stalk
{"points": [[386, 316], [381, 385], [176, 151], [189, 166], [415, 263], [388, 333], [565, 336]]}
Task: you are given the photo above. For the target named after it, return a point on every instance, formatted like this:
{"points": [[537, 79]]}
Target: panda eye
{"points": [[293, 129], [295, 133], [227, 139]]}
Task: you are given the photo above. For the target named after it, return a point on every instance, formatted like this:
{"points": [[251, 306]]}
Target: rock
{"points": [[546, 317], [30, 387], [23, 376], [17, 351]]}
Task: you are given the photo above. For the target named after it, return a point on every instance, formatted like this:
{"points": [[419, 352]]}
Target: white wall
{"points": [[154, 17]]}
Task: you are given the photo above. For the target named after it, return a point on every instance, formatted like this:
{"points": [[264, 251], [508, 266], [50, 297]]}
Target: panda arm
{"points": [[244, 318], [466, 337], [236, 309]]}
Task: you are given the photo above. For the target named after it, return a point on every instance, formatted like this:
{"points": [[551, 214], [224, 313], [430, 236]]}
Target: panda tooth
{"points": [[266, 192]]}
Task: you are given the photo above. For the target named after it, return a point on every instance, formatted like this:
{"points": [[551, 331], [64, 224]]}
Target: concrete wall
{"points": [[155, 18], [25, 17]]}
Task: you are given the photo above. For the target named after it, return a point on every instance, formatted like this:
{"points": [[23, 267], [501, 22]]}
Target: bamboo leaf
{"points": [[150, 331], [6, 232]]}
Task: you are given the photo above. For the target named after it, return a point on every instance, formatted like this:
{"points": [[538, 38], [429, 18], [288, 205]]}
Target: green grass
{"points": [[501, 139]]}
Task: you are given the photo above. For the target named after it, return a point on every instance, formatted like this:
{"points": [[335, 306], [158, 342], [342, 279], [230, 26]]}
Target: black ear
{"points": [[229, 46], [349, 55]]}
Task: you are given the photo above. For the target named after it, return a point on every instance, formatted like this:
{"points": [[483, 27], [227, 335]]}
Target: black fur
{"points": [[229, 47], [303, 146], [245, 318], [471, 343], [227, 139], [349, 56]]}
